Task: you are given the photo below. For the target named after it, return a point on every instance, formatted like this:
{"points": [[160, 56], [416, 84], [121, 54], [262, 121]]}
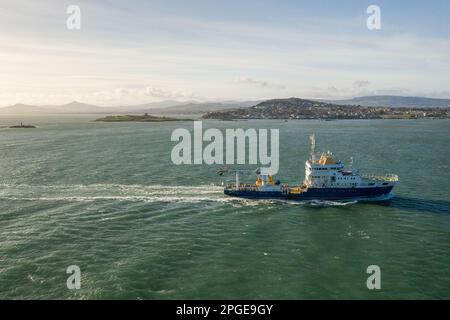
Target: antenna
{"points": [[312, 139], [351, 162]]}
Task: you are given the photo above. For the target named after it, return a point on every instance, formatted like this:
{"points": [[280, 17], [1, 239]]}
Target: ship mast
{"points": [[312, 139]]}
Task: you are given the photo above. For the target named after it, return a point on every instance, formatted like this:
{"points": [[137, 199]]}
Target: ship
{"points": [[325, 179]]}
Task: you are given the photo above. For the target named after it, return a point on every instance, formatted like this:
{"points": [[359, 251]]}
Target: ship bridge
{"points": [[325, 172]]}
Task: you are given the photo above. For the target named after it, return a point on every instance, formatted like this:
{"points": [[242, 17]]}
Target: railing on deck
{"points": [[242, 187], [382, 177]]}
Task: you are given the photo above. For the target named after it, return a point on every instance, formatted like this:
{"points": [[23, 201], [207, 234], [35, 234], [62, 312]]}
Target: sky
{"points": [[133, 52]]}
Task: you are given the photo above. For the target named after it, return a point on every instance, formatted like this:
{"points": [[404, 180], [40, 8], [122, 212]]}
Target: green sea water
{"points": [[106, 197]]}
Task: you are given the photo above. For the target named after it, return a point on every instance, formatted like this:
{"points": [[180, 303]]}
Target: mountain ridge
{"points": [[394, 101], [167, 106], [197, 107]]}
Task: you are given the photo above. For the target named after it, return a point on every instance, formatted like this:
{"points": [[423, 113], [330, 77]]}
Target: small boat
{"points": [[325, 179]]}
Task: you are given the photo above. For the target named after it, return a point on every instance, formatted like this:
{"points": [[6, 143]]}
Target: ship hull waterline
{"points": [[315, 194]]}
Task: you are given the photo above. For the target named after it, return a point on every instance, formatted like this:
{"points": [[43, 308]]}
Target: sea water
{"points": [[107, 198]]}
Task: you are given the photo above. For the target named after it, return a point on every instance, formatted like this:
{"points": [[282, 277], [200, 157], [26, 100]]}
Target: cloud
{"points": [[247, 80], [180, 53], [358, 89], [137, 94], [121, 92], [360, 83], [156, 92], [258, 83], [127, 95]]}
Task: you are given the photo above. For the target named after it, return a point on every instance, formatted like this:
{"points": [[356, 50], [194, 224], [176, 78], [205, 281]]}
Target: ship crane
{"points": [[238, 173]]}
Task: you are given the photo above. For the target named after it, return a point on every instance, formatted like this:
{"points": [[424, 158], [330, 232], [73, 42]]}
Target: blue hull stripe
{"points": [[313, 193]]}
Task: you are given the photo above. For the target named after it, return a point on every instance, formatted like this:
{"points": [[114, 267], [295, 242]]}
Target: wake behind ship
{"points": [[325, 179]]}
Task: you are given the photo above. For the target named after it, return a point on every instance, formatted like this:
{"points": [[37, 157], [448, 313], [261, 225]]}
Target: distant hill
{"points": [[72, 107], [394, 101], [77, 107], [157, 105], [162, 107], [22, 108], [201, 107], [270, 109], [296, 108]]}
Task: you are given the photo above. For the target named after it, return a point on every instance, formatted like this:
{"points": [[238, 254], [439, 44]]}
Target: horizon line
{"points": [[218, 101]]}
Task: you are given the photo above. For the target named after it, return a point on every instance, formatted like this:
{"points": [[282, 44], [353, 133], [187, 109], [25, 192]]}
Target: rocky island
{"points": [[138, 118], [23, 126], [295, 108]]}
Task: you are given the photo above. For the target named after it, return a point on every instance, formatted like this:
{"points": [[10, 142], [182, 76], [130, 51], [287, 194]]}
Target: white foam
{"points": [[149, 193], [114, 192]]}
